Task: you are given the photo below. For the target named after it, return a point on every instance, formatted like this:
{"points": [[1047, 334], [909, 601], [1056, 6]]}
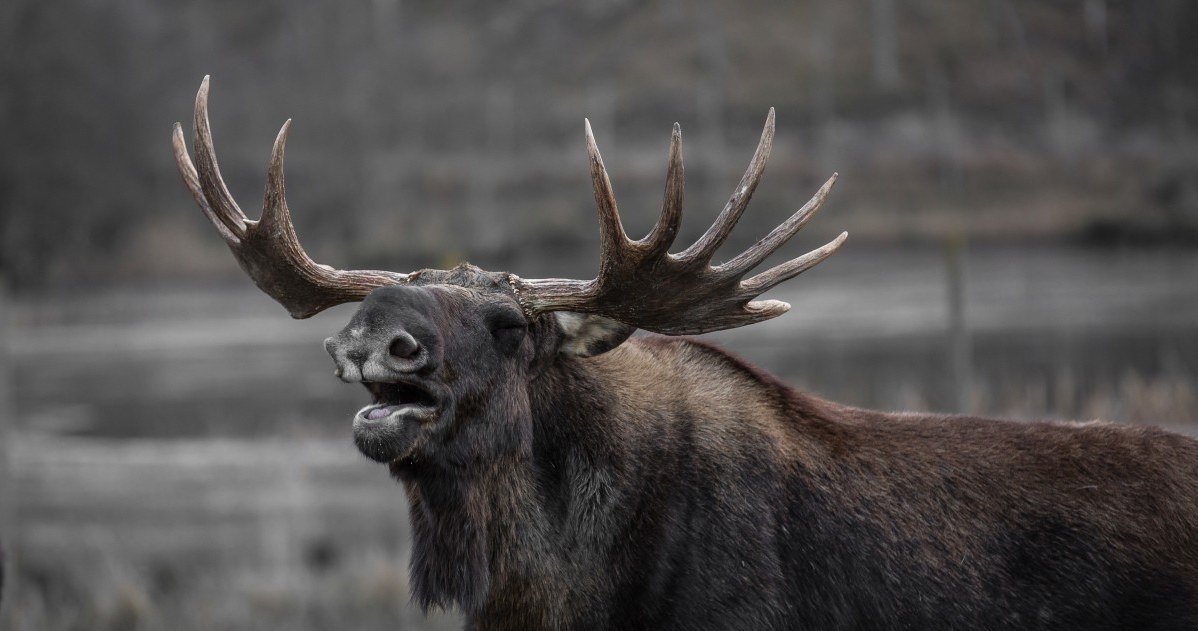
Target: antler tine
{"points": [[764, 281], [192, 181], [753, 257], [268, 250], [662, 236], [612, 238], [705, 247], [275, 213], [219, 198]]}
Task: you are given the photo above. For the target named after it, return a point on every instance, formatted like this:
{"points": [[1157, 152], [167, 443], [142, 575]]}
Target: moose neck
{"points": [[498, 537], [469, 514], [465, 523], [493, 534]]}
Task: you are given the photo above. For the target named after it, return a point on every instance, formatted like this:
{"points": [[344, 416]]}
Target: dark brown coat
{"points": [[667, 484]]}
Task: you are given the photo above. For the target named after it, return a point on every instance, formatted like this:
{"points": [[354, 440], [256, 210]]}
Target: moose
{"points": [[564, 474]]}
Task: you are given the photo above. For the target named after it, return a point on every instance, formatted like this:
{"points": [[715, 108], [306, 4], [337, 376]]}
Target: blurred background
{"points": [[1019, 179]]}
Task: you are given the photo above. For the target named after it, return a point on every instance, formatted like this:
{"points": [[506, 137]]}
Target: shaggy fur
{"points": [[667, 484]]}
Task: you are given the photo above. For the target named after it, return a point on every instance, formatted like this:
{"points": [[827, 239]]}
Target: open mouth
{"points": [[397, 399], [390, 427]]}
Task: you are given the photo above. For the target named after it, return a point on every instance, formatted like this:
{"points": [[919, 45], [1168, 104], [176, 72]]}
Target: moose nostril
{"points": [[404, 346]]}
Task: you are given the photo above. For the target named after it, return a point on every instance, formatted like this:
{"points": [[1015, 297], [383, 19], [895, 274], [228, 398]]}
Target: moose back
{"points": [[561, 474]]}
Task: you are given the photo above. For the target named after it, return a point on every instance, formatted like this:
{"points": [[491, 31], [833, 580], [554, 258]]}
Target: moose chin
{"points": [[561, 474]]}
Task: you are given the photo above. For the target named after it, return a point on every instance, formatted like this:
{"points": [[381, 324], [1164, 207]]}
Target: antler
{"points": [[640, 283], [267, 249]]}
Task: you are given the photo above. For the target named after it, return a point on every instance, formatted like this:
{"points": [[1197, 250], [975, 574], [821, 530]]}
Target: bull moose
{"points": [[562, 474]]}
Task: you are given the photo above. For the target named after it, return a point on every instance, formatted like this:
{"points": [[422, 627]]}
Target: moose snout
{"points": [[363, 355]]}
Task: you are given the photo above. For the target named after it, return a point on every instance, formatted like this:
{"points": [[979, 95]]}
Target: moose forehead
{"points": [[384, 304], [463, 275]]}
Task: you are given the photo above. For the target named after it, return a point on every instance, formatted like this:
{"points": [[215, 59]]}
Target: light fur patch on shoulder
{"points": [[589, 335]]}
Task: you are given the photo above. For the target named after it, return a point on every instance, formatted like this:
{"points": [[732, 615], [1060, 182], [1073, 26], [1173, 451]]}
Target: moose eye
{"points": [[508, 328]]}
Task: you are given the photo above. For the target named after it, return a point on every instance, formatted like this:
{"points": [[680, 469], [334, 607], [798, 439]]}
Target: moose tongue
{"points": [[380, 412]]}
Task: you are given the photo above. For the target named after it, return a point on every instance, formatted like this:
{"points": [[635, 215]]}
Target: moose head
{"points": [[447, 354]]}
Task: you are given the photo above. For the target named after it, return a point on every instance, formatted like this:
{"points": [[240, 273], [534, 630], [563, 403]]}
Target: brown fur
{"points": [[669, 484]]}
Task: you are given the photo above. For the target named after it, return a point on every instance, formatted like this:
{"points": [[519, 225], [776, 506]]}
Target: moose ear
{"points": [[586, 335]]}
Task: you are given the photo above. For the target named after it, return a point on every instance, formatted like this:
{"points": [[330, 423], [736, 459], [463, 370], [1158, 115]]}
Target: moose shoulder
{"points": [[562, 474]]}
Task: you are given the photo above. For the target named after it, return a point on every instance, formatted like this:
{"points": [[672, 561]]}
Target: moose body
{"points": [[667, 484], [561, 474], [753, 506]]}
